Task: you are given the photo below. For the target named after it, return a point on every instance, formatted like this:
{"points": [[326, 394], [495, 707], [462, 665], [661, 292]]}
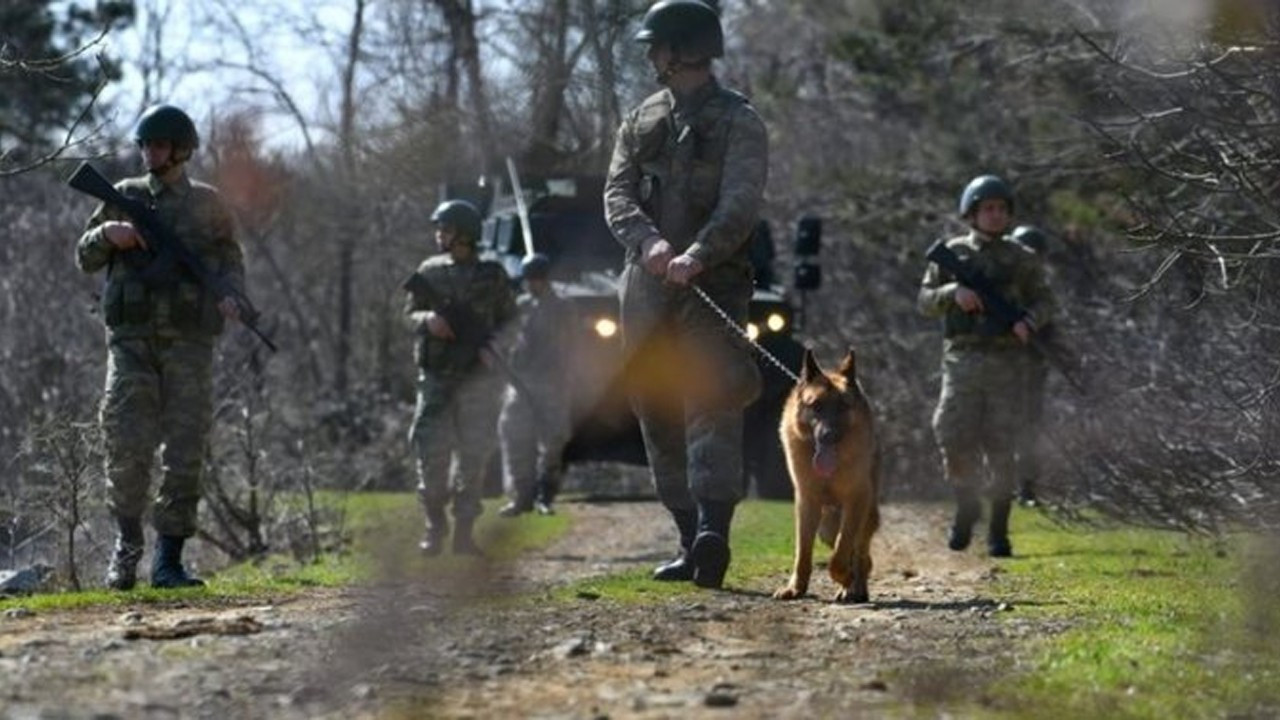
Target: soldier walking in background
{"points": [[684, 191], [980, 408], [1029, 448], [534, 425], [455, 302], [160, 337]]}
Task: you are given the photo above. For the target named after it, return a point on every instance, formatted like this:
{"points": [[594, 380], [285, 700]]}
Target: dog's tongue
{"points": [[824, 460]]}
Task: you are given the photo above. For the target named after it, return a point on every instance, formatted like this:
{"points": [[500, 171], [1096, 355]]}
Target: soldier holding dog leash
{"points": [[685, 187]]}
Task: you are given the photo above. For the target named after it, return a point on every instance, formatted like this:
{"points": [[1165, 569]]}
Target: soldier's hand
{"points": [[656, 255], [968, 300], [229, 308], [123, 235], [439, 327], [682, 269], [1023, 330]]}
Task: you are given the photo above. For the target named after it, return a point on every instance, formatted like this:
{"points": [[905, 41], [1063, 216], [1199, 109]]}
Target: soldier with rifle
{"points": [[173, 276], [1029, 447], [991, 295], [454, 303], [534, 425]]}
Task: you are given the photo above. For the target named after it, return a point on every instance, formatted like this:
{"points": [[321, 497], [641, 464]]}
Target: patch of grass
{"points": [[760, 542], [1158, 625], [384, 529]]}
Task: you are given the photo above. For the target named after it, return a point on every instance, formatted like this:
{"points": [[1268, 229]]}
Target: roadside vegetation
{"points": [[1156, 623]]}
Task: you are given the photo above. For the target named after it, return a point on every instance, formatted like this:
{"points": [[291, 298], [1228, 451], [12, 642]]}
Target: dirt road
{"points": [[457, 647]]}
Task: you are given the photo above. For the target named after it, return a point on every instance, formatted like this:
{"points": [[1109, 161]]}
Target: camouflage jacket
{"points": [[1015, 273], [542, 349], [691, 170], [474, 296], [181, 307]]}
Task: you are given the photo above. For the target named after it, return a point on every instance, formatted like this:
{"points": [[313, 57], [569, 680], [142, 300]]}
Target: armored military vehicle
{"points": [[566, 220]]}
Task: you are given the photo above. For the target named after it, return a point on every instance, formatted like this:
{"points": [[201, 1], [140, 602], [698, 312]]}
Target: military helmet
{"points": [[1032, 237], [166, 122], [460, 215], [535, 266], [984, 187], [688, 26]]}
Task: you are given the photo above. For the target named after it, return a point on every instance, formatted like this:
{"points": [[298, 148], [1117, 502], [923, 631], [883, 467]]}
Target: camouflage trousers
{"points": [[452, 439], [978, 421], [159, 393], [690, 380], [1031, 443], [532, 439]]}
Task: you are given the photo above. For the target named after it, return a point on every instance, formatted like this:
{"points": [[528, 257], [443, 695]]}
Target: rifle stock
{"points": [[997, 305], [167, 252]]}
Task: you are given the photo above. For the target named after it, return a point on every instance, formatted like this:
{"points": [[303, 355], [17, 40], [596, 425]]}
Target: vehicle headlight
{"points": [[606, 327], [753, 330], [775, 322]]}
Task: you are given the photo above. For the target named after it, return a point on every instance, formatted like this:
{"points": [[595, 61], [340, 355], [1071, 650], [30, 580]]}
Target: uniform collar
{"points": [[688, 103], [181, 187], [980, 239]]}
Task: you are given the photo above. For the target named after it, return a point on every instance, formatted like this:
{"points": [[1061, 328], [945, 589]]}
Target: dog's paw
{"points": [[847, 595], [841, 573], [788, 592]]}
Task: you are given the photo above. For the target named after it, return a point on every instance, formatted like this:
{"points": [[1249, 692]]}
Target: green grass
{"points": [[1156, 624], [761, 544], [384, 529], [1161, 625]]}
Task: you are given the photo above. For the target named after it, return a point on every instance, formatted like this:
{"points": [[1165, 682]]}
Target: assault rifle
{"points": [[165, 253], [996, 306], [474, 335]]}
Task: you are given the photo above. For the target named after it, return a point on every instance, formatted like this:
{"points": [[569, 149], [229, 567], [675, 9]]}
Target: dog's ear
{"points": [[810, 372], [849, 367]]}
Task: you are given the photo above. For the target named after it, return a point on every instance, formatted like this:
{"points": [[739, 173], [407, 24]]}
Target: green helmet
{"points": [[166, 122], [984, 187], [460, 215], [689, 26], [1031, 237], [535, 267]]}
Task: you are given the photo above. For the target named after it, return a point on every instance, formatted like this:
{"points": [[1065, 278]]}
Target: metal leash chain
{"points": [[743, 333]]}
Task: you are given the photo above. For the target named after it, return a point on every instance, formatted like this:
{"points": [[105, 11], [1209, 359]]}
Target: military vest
{"points": [[1006, 265], [475, 297], [178, 305]]}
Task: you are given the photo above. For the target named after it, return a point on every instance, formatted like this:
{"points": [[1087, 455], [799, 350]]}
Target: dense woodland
{"points": [[1139, 135]]}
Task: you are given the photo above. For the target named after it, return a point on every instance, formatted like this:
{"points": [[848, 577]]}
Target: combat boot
{"points": [[166, 566], [463, 542], [710, 550], [519, 506], [968, 511], [546, 495], [1027, 494], [998, 529], [680, 568], [437, 529], [122, 573]]}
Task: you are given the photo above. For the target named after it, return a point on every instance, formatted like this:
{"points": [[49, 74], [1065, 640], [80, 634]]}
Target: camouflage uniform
{"points": [[980, 409], [691, 170], [160, 353], [453, 424], [534, 430]]}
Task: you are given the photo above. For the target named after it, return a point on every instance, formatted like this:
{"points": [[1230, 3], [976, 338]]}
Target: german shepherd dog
{"points": [[829, 438]]}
